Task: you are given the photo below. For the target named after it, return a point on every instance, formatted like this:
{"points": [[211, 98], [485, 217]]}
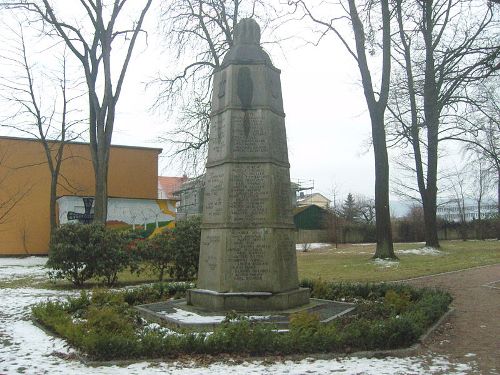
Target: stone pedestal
{"points": [[247, 256]]}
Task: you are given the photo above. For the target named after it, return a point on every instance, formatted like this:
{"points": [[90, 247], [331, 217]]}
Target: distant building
{"points": [[317, 199], [168, 185], [311, 217], [190, 196], [452, 211]]}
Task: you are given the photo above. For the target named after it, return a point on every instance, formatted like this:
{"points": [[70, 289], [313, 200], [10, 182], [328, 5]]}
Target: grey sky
{"points": [[328, 126]]}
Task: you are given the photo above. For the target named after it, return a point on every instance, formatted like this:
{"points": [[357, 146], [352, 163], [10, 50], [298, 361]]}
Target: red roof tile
{"points": [[167, 185]]}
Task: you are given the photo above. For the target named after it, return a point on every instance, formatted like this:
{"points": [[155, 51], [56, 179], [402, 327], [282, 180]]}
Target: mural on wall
{"points": [[147, 217], [87, 217]]}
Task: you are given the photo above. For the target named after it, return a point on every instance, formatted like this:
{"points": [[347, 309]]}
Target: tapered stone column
{"points": [[247, 258]]}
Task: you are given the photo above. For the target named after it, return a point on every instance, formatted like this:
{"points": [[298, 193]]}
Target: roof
{"points": [[167, 185], [309, 196], [8, 138]]}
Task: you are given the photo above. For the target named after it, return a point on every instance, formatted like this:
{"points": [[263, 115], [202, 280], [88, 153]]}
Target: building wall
{"points": [[133, 173]]}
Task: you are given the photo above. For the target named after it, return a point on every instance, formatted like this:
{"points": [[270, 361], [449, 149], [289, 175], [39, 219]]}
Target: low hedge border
{"points": [[105, 327]]}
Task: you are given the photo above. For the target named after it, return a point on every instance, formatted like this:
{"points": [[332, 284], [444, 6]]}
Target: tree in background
{"points": [[39, 108], [90, 37], [480, 134], [198, 34], [350, 209], [361, 19], [441, 47]]}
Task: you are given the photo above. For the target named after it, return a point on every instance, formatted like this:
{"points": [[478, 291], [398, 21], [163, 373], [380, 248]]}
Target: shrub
{"points": [[79, 252], [113, 255], [187, 238], [158, 252], [73, 252]]}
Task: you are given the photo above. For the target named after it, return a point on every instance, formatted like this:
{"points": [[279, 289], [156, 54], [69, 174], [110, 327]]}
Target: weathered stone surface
{"points": [[247, 255], [266, 89]]}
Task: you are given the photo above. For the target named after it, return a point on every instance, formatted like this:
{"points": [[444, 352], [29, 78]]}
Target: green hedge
{"points": [[104, 325]]}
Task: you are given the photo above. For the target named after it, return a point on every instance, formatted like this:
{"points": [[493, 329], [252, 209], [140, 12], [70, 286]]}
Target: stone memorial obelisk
{"points": [[247, 256]]}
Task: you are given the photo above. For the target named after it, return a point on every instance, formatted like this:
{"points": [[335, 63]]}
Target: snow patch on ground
{"points": [[27, 349], [311, 246], [191, 317], [18, 268], [386, 263], [426, 250]]}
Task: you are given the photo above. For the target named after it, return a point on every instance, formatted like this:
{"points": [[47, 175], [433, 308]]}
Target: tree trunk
{"points": [[53, 201], [377, 108], [498, 205], [430, 221], [385, 248], [431, 113], [101, 193]]}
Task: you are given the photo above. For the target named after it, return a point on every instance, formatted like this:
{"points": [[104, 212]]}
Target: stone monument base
{"points": [[247, 301], [176, 313]]}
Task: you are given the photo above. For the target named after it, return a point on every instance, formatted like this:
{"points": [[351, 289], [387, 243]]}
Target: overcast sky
{"points": [[327, 122]]}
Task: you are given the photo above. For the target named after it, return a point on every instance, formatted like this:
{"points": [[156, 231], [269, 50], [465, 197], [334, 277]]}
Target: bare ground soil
{"points": [[472, 331]]}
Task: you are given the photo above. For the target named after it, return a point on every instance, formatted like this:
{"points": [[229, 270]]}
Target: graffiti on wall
{"points": [[147, 217], [87, 217]]}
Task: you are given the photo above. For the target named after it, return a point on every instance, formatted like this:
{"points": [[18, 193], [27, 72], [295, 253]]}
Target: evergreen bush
{"points": [[79, 252]]}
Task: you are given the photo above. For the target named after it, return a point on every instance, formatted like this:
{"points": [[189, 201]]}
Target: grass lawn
{"points": [[353, 262], [125, 278]]}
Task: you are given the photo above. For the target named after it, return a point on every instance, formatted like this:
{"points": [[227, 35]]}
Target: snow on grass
{"points": [[27, 349], [18, 268], [386, 263], [311, 246], [426, 250]]}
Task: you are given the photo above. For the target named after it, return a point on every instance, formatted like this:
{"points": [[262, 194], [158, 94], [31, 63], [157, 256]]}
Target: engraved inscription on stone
{"points": [[255, 143], [222, 85], [214, 194], [247, 255], [212, 242], [278, 135], [249, 193], [217, 145]]}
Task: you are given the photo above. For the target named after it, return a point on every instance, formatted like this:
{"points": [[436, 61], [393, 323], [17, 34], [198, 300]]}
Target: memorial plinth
{"points": [[247, 257]]}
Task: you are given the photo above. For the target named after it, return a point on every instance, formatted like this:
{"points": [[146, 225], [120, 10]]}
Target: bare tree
{"points": [[198, 33], [480, 133], [361, 19], [366, 209], [459, 188], [90, 38], [26, 93], [442, 46], [481, 184]]}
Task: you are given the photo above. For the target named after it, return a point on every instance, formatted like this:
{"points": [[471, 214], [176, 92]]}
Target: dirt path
{"points": [[473, 330]]}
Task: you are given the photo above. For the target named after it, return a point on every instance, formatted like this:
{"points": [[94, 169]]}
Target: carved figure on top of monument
{"points": [[246, 48]]}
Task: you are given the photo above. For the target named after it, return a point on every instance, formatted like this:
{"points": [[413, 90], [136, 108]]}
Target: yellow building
{"points": [[24, 175]]}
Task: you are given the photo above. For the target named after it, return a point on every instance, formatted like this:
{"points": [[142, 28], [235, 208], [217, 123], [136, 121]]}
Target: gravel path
{"points": [[473, 329]]}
